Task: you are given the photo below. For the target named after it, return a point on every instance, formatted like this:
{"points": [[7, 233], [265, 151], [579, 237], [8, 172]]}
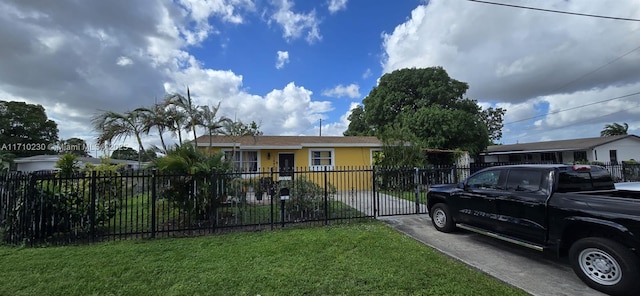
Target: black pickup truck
{"points": [[570, 210]]}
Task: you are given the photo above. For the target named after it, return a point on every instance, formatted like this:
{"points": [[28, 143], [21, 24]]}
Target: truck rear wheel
{"points": [[441, 218], [606, 266]]}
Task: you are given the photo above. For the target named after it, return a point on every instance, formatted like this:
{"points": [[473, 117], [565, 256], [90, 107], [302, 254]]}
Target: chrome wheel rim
{"points": [[439, 218], [600, 267]]}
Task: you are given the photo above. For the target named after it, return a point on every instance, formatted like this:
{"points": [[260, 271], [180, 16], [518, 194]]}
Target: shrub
{"points": [[306, 199], [46, 208], [189, 184]]}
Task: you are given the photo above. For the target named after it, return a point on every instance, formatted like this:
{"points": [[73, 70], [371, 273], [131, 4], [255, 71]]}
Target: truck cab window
{"points": [[486, 180], [524, 180]]}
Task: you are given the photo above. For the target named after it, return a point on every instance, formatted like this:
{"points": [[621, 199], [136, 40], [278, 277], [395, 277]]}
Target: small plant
{"points": [[306, 199], [68, 165]]}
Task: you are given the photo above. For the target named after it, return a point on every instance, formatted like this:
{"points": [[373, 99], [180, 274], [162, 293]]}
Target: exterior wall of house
{"points": [[35, 166], [342, 158], [626, 149], [568, 156]]}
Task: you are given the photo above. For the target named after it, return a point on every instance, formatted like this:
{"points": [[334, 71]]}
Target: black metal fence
{"points": [[96, 206], [41, 208]]}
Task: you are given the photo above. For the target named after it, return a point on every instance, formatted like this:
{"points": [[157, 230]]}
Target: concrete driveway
{"points": [[526, 269]]}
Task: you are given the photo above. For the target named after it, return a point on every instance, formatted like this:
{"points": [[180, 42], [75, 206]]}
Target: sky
{"points": [[299, 67]]}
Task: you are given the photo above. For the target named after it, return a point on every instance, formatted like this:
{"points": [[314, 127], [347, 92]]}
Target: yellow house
{"points": [[301, 153]]}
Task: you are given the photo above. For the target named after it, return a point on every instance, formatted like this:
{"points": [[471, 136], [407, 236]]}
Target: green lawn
{"points": [[355, 259]]}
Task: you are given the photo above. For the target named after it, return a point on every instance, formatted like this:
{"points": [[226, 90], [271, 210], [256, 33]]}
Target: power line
{"points": [[579, 122], [558, 11], [573, 108], [578, 79]]}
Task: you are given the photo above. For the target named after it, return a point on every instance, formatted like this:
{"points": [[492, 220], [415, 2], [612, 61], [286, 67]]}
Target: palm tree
{"points": [[176, 119], [156, 117], [187, 106], [210, 122], [117, 126], [614, 129]]}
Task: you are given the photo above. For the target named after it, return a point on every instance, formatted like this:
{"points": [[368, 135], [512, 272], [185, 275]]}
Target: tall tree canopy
{"points": [[614, 129], [428, 108], [75, 146], [25, 129]]}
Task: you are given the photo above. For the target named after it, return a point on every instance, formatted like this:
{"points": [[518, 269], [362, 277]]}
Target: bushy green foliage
{"points": [[68, 165], [427, 108], [190, 177], [48, 207], [306, 199]]}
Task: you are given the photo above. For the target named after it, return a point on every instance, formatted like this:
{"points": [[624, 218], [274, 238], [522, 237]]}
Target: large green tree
{"points": [[357, 124], [614, 129], [25, 129], [128, 153], [75, 146], [427, 108]]}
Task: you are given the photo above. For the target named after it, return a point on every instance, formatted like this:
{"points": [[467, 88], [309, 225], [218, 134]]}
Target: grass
{"points": [[355, 259], [134, 214]]}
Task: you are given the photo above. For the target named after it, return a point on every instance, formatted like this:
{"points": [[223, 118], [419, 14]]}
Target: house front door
{"points": [[285, 163]]}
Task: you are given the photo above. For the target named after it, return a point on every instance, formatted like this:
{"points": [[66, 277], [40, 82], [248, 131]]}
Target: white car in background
{"points": [[635, 186]]}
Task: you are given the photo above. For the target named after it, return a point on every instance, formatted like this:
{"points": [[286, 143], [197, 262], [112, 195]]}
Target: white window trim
{"points": [[241, 160], [321, 167]]}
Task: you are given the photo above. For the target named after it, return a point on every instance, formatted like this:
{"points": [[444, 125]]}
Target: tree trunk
{"points": [[164, 146]]}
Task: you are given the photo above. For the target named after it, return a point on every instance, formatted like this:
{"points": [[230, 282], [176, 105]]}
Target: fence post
{"points": [[375, 193], [212, 210], [416, 181], [326, 198], [271, 194], [153, 203], [92, 210]]}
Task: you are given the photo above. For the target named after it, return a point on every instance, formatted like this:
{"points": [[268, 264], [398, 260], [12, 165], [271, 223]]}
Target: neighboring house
{"points": [[48, 162], [609, 150]]}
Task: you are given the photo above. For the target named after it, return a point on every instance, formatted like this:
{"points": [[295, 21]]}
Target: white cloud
{"points": [[523, 58], [227, 10], [74, 85], [337, 5], [200, 11], [292, 108], [367, 73], [281, 59], [124, 61], [294, 25], [351, 91]]}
